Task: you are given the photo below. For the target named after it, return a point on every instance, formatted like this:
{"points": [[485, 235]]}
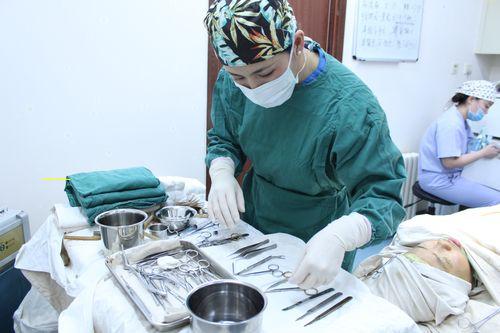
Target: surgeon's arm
{"points": [[222, 140], [372, 169]]}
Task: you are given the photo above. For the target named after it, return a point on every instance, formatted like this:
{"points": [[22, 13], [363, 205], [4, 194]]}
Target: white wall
{"points": [[95, 85], [414, 94]]}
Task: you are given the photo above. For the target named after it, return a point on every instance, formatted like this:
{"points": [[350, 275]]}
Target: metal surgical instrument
{"points": [[187, 233], [234, 237], [308, 299], [308, 292], [476, 326], [320, 305], [286, 276], [255, 252], [249, 247], [258, 263], [272, 268], [330, 310]]}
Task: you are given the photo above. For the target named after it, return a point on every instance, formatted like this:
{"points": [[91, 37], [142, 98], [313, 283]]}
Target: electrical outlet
{"points": [[454, 69], [467, 69]]}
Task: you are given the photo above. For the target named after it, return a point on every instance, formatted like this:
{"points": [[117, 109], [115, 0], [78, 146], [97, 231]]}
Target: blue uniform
{"points": [[449, 136]]}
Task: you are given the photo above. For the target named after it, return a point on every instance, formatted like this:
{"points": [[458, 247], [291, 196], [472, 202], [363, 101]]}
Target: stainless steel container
{"points": [[157, 229], [121, 227], [226, 306], [176, 218]]}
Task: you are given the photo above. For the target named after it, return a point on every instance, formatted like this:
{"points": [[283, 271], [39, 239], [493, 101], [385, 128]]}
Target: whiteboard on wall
{"points": [[388, 30]]}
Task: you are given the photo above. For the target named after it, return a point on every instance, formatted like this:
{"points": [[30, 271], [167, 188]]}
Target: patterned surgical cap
{"points": [[479, 89], [244, 32]]}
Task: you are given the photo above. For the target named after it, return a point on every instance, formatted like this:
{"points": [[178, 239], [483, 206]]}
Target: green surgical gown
{"points": [[324, 153]]}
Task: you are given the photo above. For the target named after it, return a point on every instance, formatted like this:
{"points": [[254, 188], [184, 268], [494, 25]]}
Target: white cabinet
{"points": [[488, 41]]}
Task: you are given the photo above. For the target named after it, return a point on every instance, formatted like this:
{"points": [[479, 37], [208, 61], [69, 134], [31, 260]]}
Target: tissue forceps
{"points": [[330, 310], [466, 323], [255, 252], [233, 237], [320, 305], [249, 247]]}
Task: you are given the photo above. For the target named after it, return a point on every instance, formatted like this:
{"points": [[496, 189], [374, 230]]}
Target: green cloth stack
{"points": [[100, 191]]}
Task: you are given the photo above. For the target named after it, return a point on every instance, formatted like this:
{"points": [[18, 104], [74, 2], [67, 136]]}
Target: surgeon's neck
{"points": [[312, 62]]}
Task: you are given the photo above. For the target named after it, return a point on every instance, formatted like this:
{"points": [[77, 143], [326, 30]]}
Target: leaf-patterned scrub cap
{"points": [[244, 32]]}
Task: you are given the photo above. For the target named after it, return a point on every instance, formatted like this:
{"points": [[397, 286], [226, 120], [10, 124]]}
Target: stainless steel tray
{"points": [[165, 326]]}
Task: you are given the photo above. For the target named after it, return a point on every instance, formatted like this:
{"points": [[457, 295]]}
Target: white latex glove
{"points": [[325, 250], [225, 199]]}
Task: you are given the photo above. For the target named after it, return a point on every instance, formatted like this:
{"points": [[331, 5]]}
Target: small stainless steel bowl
{"points": [[226, 306], [176, 218], [157, 229], [121, 228]]}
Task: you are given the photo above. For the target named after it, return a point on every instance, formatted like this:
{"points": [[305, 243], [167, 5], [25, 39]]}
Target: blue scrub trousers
{"points": [[454, 188]]}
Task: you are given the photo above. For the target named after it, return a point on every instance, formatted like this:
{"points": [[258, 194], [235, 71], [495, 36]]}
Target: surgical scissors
{"points": [[308, 299], [258, 263], [272, 268], [308, 292], [286, 275]]}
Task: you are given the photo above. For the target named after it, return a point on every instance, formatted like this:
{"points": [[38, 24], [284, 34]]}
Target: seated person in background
{"points": [[444, 149], [441, 270]]}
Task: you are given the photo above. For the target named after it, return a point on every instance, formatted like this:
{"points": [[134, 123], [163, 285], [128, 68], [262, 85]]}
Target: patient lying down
{"points": [[429, 281], [443, 271], [444, 254]]}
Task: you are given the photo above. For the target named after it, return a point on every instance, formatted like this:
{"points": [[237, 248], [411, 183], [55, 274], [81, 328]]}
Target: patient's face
{"points": [[445, 255]]}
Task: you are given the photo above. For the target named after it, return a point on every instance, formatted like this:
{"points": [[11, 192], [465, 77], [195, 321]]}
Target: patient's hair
{"points": [[459, 99]]}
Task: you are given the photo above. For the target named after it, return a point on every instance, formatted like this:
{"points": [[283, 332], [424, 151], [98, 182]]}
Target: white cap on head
{"points": [[478, 88]]}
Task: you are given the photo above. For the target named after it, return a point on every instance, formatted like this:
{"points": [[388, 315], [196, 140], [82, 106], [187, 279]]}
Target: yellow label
{"points": [[11, 241]]}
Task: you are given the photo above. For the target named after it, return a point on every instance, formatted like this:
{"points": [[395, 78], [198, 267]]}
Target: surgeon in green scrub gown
{"points": [[324, 167]]}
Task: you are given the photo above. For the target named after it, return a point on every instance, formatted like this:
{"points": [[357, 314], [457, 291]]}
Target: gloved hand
{"points": [[325, 250], [225, 199]]}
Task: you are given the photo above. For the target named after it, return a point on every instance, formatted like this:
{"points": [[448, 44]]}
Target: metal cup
{"points": [[226, 306], [121, 228], [159, 230]]}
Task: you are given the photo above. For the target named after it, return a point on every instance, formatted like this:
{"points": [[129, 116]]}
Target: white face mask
{"points": [[276, 92]]}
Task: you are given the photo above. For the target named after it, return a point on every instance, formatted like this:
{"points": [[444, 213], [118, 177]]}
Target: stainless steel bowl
{"points": [[157, 229], [226, 306], [121, 227], [176, 218]]}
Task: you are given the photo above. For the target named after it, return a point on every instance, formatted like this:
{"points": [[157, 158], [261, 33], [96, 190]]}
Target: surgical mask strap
{"points": [[303, 66]]}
